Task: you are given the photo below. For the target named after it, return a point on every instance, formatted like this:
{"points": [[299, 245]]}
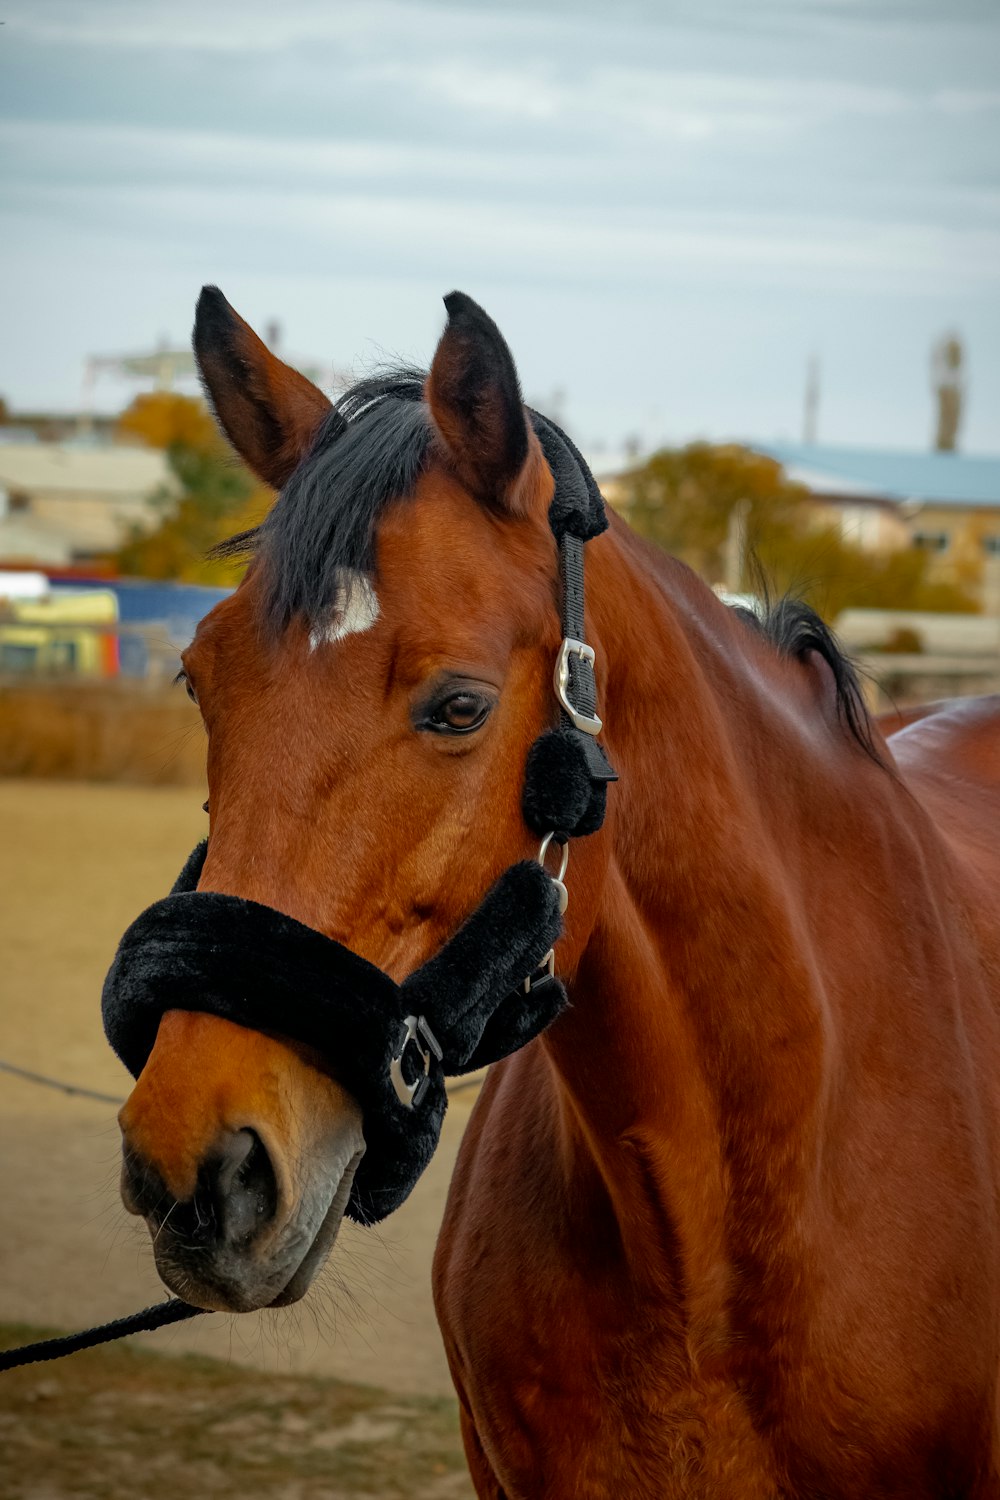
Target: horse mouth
{"points": [[235, 1279], [324, 1242]]}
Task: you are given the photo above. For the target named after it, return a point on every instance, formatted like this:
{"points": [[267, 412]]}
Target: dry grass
{"points": [[111, 731], [117, 1423]]}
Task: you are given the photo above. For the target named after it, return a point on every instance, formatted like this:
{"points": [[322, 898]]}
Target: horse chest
{"points": [[566, 1405], [576, 1382], [575, 1385]]}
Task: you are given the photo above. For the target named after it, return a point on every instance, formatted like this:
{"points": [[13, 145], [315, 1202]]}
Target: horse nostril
{"points": [[242, 1188], [143, 1190], [236, 1195]]}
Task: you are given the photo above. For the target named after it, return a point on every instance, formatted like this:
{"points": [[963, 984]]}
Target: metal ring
{"points": [[564, 860], [559, 881]]}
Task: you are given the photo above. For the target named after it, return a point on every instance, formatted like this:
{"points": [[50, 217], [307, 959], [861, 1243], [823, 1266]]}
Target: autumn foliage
{"points": [[215, 496], [163, 419], [684, 499]]}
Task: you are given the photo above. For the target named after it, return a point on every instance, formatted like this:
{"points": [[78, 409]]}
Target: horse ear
{"points": [[475, 400], [268, 411]]}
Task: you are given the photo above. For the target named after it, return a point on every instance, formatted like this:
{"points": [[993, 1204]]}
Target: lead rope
{"points": [[158, 1316]]}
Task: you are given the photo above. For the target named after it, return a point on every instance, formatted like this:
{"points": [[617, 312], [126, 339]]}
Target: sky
{"points": [[669, 208]]}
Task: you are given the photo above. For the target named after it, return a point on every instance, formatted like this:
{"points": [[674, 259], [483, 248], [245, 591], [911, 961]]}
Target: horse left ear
{"points": [[268, 411], [475, 400]]}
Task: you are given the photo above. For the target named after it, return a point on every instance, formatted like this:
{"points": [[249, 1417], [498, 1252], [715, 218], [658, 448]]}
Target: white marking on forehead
{"points": [[355, 608]]}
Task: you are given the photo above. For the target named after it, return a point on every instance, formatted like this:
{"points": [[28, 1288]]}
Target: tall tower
{"points": [[947, 377]]}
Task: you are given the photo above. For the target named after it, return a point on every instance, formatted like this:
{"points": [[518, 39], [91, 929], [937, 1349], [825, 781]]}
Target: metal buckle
{"points": [[415, 1029], [589, 723], [548, 963]]}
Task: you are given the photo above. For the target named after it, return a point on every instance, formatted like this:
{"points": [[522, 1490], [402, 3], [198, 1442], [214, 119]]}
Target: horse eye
{"points": [[189, 688], [460, 713]]}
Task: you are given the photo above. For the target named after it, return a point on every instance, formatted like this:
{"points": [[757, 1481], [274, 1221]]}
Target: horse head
{"points": [[370, 694]]}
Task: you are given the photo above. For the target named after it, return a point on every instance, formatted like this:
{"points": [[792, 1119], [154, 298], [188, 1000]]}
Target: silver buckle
{"points": [[589, 723], [415, 1030], [548, 963]]}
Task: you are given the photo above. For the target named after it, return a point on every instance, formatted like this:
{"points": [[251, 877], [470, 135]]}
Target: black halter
{"points": [[489, 990]]}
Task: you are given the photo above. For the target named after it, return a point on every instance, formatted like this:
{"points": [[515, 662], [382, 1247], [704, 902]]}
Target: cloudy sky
{"points": [[668, 207]]}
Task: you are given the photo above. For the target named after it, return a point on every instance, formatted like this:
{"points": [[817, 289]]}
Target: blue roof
{"points": [[941, 478]]}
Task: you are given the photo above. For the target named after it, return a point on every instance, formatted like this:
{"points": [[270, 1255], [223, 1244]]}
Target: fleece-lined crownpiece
{"points": [[478, 999]]}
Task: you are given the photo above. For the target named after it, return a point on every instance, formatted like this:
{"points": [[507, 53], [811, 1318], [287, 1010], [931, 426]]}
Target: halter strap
{"points": [[568, 771]]}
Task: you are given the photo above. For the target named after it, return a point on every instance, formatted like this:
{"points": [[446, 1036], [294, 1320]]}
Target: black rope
{"points": [[172, 1311], [55, 1083], [455, 1087]]}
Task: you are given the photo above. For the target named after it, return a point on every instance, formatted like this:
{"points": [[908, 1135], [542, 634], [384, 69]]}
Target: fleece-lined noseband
{"points": [[489, 990]]}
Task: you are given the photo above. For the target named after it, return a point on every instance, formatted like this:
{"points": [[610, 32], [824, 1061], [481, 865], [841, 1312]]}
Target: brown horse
{"points": [[729, 1228]]}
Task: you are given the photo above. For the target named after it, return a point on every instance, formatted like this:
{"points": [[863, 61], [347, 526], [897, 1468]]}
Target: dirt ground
{"points": [[77, 863], [122, 1424]]}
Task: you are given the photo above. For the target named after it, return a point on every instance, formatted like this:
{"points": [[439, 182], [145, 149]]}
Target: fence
{"points": [[902, 680]]}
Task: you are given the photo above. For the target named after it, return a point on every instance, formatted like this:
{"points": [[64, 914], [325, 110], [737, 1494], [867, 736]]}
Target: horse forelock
{"points": [[321, 531]]}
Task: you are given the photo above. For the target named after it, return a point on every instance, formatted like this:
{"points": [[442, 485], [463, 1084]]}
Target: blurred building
{"points": [[157, 619], [63, 502], [58, 427], [73, 628], [948, 504]]}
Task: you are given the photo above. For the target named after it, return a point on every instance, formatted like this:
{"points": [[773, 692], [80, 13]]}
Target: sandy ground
{"points": [[77, 863]]}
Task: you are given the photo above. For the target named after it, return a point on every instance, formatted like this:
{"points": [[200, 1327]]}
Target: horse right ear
{"points": [[268, 411], [475, 401]]}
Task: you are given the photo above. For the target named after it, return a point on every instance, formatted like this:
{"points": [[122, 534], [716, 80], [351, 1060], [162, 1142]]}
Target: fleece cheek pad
{"points": [[198, 950]]}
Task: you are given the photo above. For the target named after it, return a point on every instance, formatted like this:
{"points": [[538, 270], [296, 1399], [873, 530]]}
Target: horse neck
{"points": [[695, 1045], [733, 757]]}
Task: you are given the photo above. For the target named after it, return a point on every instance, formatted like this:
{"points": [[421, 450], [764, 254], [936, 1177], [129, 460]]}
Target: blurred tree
{"points": [[947, 361], [694, 501], [163, 419], [215, 495], [685, 499]]}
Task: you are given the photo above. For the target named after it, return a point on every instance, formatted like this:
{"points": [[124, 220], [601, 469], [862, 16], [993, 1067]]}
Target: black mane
{"points": [[794, 629], [371, 448]]}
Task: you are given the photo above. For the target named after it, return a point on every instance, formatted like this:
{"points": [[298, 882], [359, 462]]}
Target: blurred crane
{"points": [[165, 366]]}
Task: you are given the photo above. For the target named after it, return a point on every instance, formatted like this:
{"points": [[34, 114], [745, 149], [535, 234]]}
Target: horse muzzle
{"points": [[242, 1226]]}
